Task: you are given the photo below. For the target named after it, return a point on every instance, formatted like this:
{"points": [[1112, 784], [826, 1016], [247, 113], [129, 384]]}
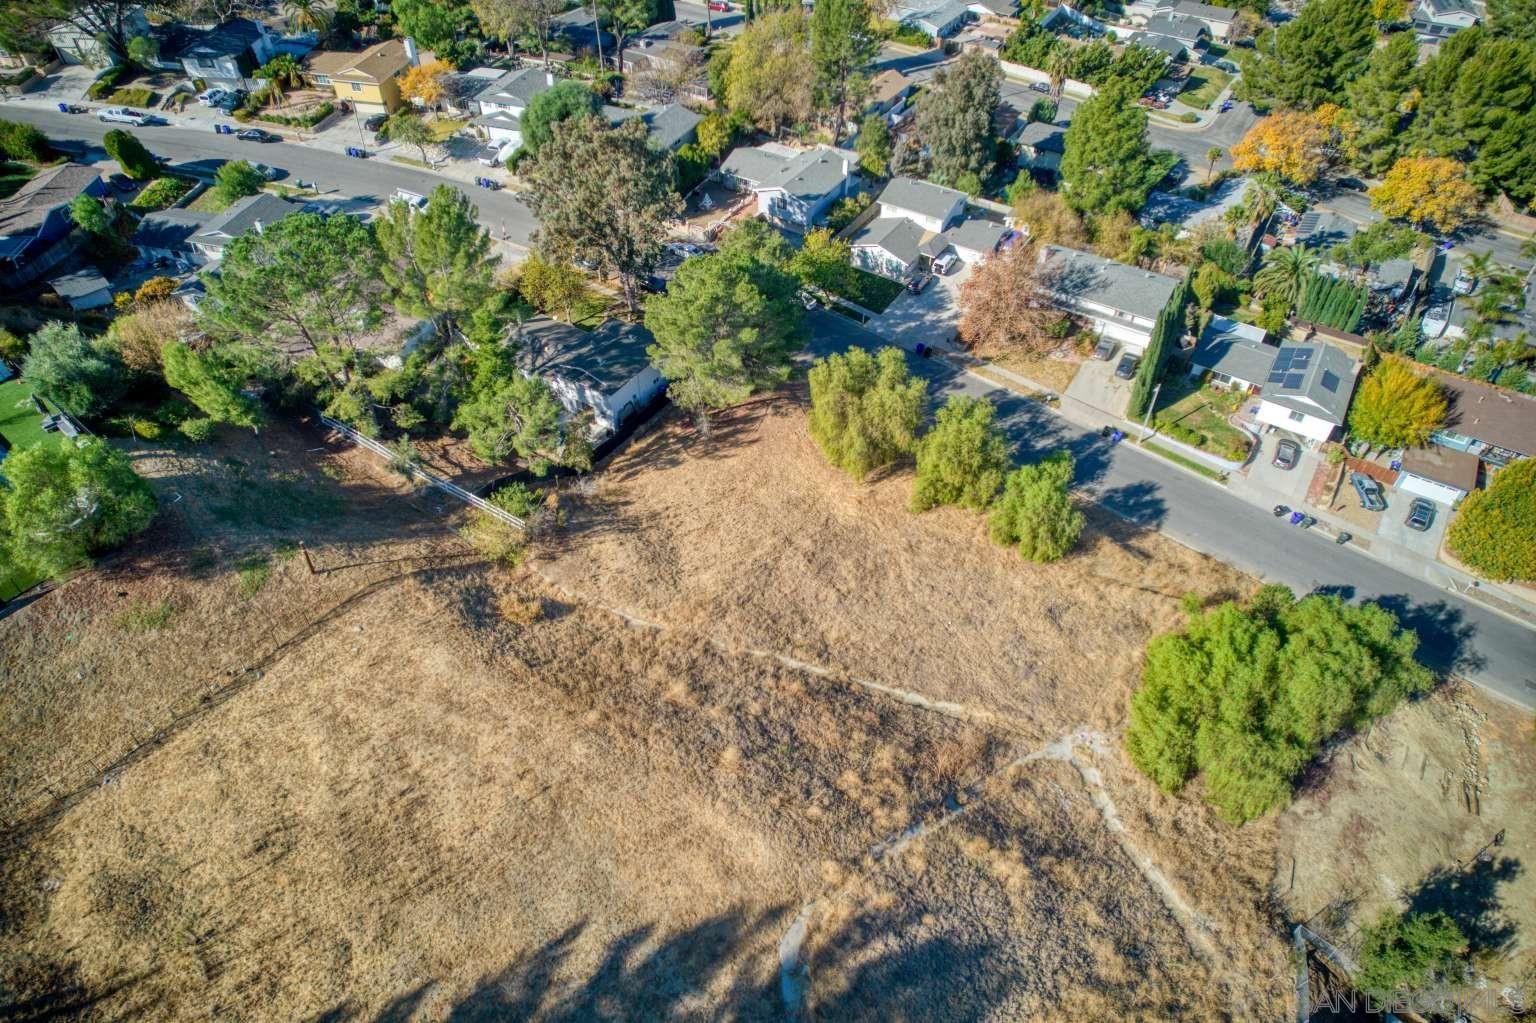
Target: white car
{"points": [[945, 263], [270, 173], [413, 199], [123, 115], [212, 98], [1465, 282], [686, 249]]}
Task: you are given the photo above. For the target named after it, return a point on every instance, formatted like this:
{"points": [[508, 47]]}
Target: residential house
{"points": [[1307, 390], [1495, 424], [371, 80], [938, 21], [1233, 353], [1435, 20], [1176, 50], [1441, 474], [1188, 214], [1393, 278], [228, 54], [83, 289], [577, 30], [993, 8], [503, 102], [1039, 146], [1190, 31], [918, 221], [251, 213], [605, 372], [170, 234], [932, 207], [35, 226], [889, 93], [1066, 19], [1218, 21], [76, 44], [679, 63], [794, 188], [1121, 302], [1323, 229], [975, 238], [668, 127], [889, 246]]}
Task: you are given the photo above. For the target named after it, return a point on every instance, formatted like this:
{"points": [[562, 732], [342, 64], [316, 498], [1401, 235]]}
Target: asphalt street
{"points": [[1456, 634], [203, 152]]}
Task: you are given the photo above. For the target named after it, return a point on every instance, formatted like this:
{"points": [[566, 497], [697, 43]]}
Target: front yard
{"points": [[1196, 414], [21, 427], [1205, 85], [871, 291]]}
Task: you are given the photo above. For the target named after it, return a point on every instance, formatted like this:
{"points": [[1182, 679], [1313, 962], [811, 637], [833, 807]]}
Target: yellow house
{"points": [[370, 80]]}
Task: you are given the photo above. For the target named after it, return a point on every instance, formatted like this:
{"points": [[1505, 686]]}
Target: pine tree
{"points": [[843, 41], [1378, 98], [954, 119], [1108, 164]]}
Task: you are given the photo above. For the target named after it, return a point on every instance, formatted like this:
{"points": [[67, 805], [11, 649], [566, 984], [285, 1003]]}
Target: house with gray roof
{"points": [[933, 207], [1323, 229], [975, 238], [35, 221], [1121, 302], [936, 20], [1188, 214], [890, 246], [1218, 21], [251, 213], [668, 127], [1233, 353], [83, 289], [1175, 50], [1187, 30], [501, 104], [794, 188], [1435, 20], [1040, 145], [603, 372], [1307, 390], [169, 234]]}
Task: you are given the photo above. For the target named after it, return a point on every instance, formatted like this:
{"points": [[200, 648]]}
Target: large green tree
{"points": [[1108, 164], [1285, 273], [66, 502], [512, 20], [136, 161], [875, 146], [1035, 513], [236, 179], [82, 375], [1515, 19], [624, 18], [604, 198], [865, 409], [961, 460], [210, 382], [1495, 530], [564, 101], [509, 414], [1308, 60], [770, 77], [89, 214], [1402, 952], [726, 327], [24, 22], [843, 42], [437, 260], [305, 284], [1245, 696], [1379, 101], [954, 118]]}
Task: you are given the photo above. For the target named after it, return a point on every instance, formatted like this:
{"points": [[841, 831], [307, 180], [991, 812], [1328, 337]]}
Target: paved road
{"points": [[1486, 647], [501, 214], [1505, 246]]}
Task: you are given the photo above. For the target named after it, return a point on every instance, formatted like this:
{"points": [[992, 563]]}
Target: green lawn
{"points": [[1204, 86], [161, 193], [871, 291], [13, 176], [1197, 415], [444, 128], [134, 96]]}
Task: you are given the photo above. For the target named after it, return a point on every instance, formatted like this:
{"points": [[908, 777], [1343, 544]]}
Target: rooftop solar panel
{"points": [[1294, 380]]}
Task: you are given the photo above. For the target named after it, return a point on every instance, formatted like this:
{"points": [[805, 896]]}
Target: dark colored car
{"points": [[375, 122], [1039, 87], [1421, 514], [1104, 350], [1127, 368], [256, 135], [1287, 454], [1350, 184], [121, 183], [1369, 492], [919, 283]]}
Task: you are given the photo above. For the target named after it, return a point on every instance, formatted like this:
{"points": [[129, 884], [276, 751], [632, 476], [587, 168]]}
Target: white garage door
{"points": [[1421, 487]]}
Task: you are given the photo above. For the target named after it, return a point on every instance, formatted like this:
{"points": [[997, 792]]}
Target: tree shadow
{"points": [[1138, 502], [1445, 637], [1469, 896]]}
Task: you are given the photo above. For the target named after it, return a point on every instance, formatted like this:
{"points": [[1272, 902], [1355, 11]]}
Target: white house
{"points": [[937, 20], [1443, 475], [80, 45], [251, 213], [794, 188], [228, 54], [1122, 302], [1307, 390], [1217, 20], [1233, 353], [605, 371], [1434, 20], [502, 103], [889, 246], [932, 207]]}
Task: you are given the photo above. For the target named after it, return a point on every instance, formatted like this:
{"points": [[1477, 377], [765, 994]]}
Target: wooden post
{"points": [[307, 560]]}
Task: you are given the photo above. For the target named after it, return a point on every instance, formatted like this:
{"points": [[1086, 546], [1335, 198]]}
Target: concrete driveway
{"points": [[66, 85], [1097, 387], [1394, 526], [1282, 486], [931, 317]]}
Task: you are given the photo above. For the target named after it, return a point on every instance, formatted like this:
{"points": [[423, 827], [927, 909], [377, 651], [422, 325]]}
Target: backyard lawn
{"points": [[1204, 86], [1191, 412]]}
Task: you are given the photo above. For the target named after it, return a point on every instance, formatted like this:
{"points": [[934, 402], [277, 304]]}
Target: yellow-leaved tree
{"points": [[1289, 144], [1395, 407], [425, 83], [1427, 191]]}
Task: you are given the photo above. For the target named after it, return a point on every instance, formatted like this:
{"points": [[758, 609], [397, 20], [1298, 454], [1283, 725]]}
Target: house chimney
{"points": [[411, 57], [259, 227]]}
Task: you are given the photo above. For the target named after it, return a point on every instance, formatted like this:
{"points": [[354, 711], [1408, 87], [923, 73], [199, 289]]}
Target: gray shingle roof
{"points": [[1086, 277], [1042, 136], [753, 164], [921, 197], [78, 284], [604, 359], [1234, 349], [976, 234], [671, 125], [1175, 49], [516, 88], [816, 172], [169, 229], [1206, 11], [26, 211], [900, 237], [243, 215], [1326, 384], [1493, 415], [229, 39], [1323, 228], [1179, 26]]}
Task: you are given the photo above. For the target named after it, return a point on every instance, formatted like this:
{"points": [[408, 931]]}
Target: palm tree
{"points": [[1060, 69], [1285, 273], [1211, 156], [306, 14]]}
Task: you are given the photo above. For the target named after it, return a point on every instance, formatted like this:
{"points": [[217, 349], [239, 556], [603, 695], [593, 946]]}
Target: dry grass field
{"points": [[741, 739]]}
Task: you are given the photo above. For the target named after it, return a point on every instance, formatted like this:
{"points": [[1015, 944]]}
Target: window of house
{"points": [[1297, 417], [357, 87]]}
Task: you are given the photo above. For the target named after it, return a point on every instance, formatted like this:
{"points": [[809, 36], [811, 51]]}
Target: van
{"points": [[413, 199]]}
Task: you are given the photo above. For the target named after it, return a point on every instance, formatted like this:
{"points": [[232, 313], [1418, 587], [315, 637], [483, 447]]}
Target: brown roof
{"points": [[1493, 415], [329, 62], [28, 208], [376, 64], [1443, 465], [887, 85]]}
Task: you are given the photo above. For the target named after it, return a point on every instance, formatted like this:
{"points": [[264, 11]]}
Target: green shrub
{"points": [[162, 193], [253, 571], [198, 430], [1403, 951], [132, 97], [962, 459], [1246, 695], [1495, 531], [23, 142], [130, 154], [1035, 513], [107, 82], [865, 409], [518, 498]]}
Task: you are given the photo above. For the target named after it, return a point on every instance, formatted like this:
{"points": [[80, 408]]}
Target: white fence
{"points": [[430, 480]]}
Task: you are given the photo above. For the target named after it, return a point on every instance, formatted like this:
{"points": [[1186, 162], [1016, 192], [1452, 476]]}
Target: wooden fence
{"points": [[416, 472]]}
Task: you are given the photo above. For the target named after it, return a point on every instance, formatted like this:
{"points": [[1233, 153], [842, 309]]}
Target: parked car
{"points": [[212, 98], [1465, 282], [919, 283], [121, 183], [1104, 350], [686, 249], [270, 173], [719, 6], [1421, 514], [415, 199], [495, 155], [1039, 87], [375, 122], [123, 115], [257, 135], [1127, 368], [1350, 184], [807, 299], [945, 263], [1287, 454], [1369, 492]]}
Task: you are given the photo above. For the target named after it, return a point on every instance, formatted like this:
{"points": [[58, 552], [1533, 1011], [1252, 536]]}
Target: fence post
{"points": [[307, 560]]}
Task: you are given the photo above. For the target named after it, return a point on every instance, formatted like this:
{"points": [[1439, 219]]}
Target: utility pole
{"points": [[1146, 422]]}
